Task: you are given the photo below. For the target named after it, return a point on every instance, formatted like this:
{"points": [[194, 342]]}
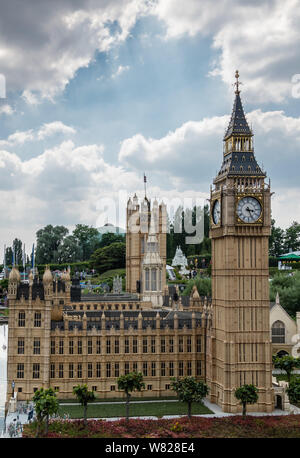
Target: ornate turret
{"points": [[14, 276], [239, 159], [47, 277], [13, 282]]}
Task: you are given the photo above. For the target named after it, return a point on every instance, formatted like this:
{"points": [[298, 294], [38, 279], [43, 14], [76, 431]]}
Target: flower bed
{"points": [[235, 426]]}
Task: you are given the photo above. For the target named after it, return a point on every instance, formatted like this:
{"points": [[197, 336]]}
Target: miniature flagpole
{"points": [[145, 181], [32, 261], [24, 261]]}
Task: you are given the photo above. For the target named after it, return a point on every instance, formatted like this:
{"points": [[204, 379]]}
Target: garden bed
{"points": [[197, 427]]}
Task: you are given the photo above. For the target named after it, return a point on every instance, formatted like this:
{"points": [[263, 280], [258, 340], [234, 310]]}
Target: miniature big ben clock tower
{"points": [[240, 346]]}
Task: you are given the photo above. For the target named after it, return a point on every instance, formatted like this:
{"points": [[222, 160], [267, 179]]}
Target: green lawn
{"points": [[150, 398], [106, 275], [118, 410]]}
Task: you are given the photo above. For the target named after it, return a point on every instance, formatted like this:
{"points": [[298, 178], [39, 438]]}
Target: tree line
{"points": [[56, 245], [282, 241]]}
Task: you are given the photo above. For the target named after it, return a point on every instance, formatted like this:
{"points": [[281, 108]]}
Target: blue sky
{"points": [[98, 94]]}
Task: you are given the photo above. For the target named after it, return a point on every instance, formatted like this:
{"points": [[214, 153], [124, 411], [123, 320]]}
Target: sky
{"points": [[97, 93]]}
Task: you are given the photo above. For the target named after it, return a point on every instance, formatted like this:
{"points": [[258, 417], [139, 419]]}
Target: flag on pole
{"points": [[32, 257], [145, 181], [24, 256]]}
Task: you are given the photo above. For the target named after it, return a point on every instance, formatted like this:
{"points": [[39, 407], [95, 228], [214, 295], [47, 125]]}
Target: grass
{"points": [[122, 399], [106, 275], [118, 410]]}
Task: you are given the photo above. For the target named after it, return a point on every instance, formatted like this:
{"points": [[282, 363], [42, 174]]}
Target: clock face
{"points": [[248, 209], [216, 212]]}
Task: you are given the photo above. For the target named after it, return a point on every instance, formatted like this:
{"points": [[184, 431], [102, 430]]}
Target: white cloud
{"points": [[47, 130], [260, 38], [6, 109], [63, 185], [30, 98], [52, 128], [43, 44], [121, 69]]}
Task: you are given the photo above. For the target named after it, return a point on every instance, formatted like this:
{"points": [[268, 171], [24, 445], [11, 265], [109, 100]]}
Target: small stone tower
{"points": [[152, 265], [137, 229]]}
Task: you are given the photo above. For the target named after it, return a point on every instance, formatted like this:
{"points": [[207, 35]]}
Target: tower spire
{"points": [[239, 159], [237, 83], [238, 124]]}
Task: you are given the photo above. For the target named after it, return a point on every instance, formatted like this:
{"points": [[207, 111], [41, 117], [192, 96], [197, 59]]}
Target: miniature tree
{"points": [[45, 404], [84, 396], [128, 383], [189, 390], [293, 390], [286, 363], [246, 394]]}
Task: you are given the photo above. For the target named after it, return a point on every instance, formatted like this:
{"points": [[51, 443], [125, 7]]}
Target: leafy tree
{"points": [[4, 284], [84, 396], [246, 394], [109, 257], [288, 288], [69, 250], [286, 363], [49, 240], [8, 256], [293, 390], [45, 404], [203, 286], [292, 237], [129, 383], [17, 249], [276, 240], [189, 390], [178, 231], [109, 238], [87, 238]]}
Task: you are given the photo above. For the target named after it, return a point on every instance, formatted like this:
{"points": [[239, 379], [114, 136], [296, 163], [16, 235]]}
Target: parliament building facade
{"points": [[59, 337]]}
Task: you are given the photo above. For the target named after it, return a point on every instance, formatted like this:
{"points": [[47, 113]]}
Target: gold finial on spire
{"points": [[237, 83]]}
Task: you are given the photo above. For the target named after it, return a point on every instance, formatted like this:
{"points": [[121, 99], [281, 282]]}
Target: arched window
{"points": [[153, 280], [147, 280], [278, 332]]}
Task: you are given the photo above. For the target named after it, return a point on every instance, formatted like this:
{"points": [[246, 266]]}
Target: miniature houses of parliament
{"points": [[60, 337]]}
